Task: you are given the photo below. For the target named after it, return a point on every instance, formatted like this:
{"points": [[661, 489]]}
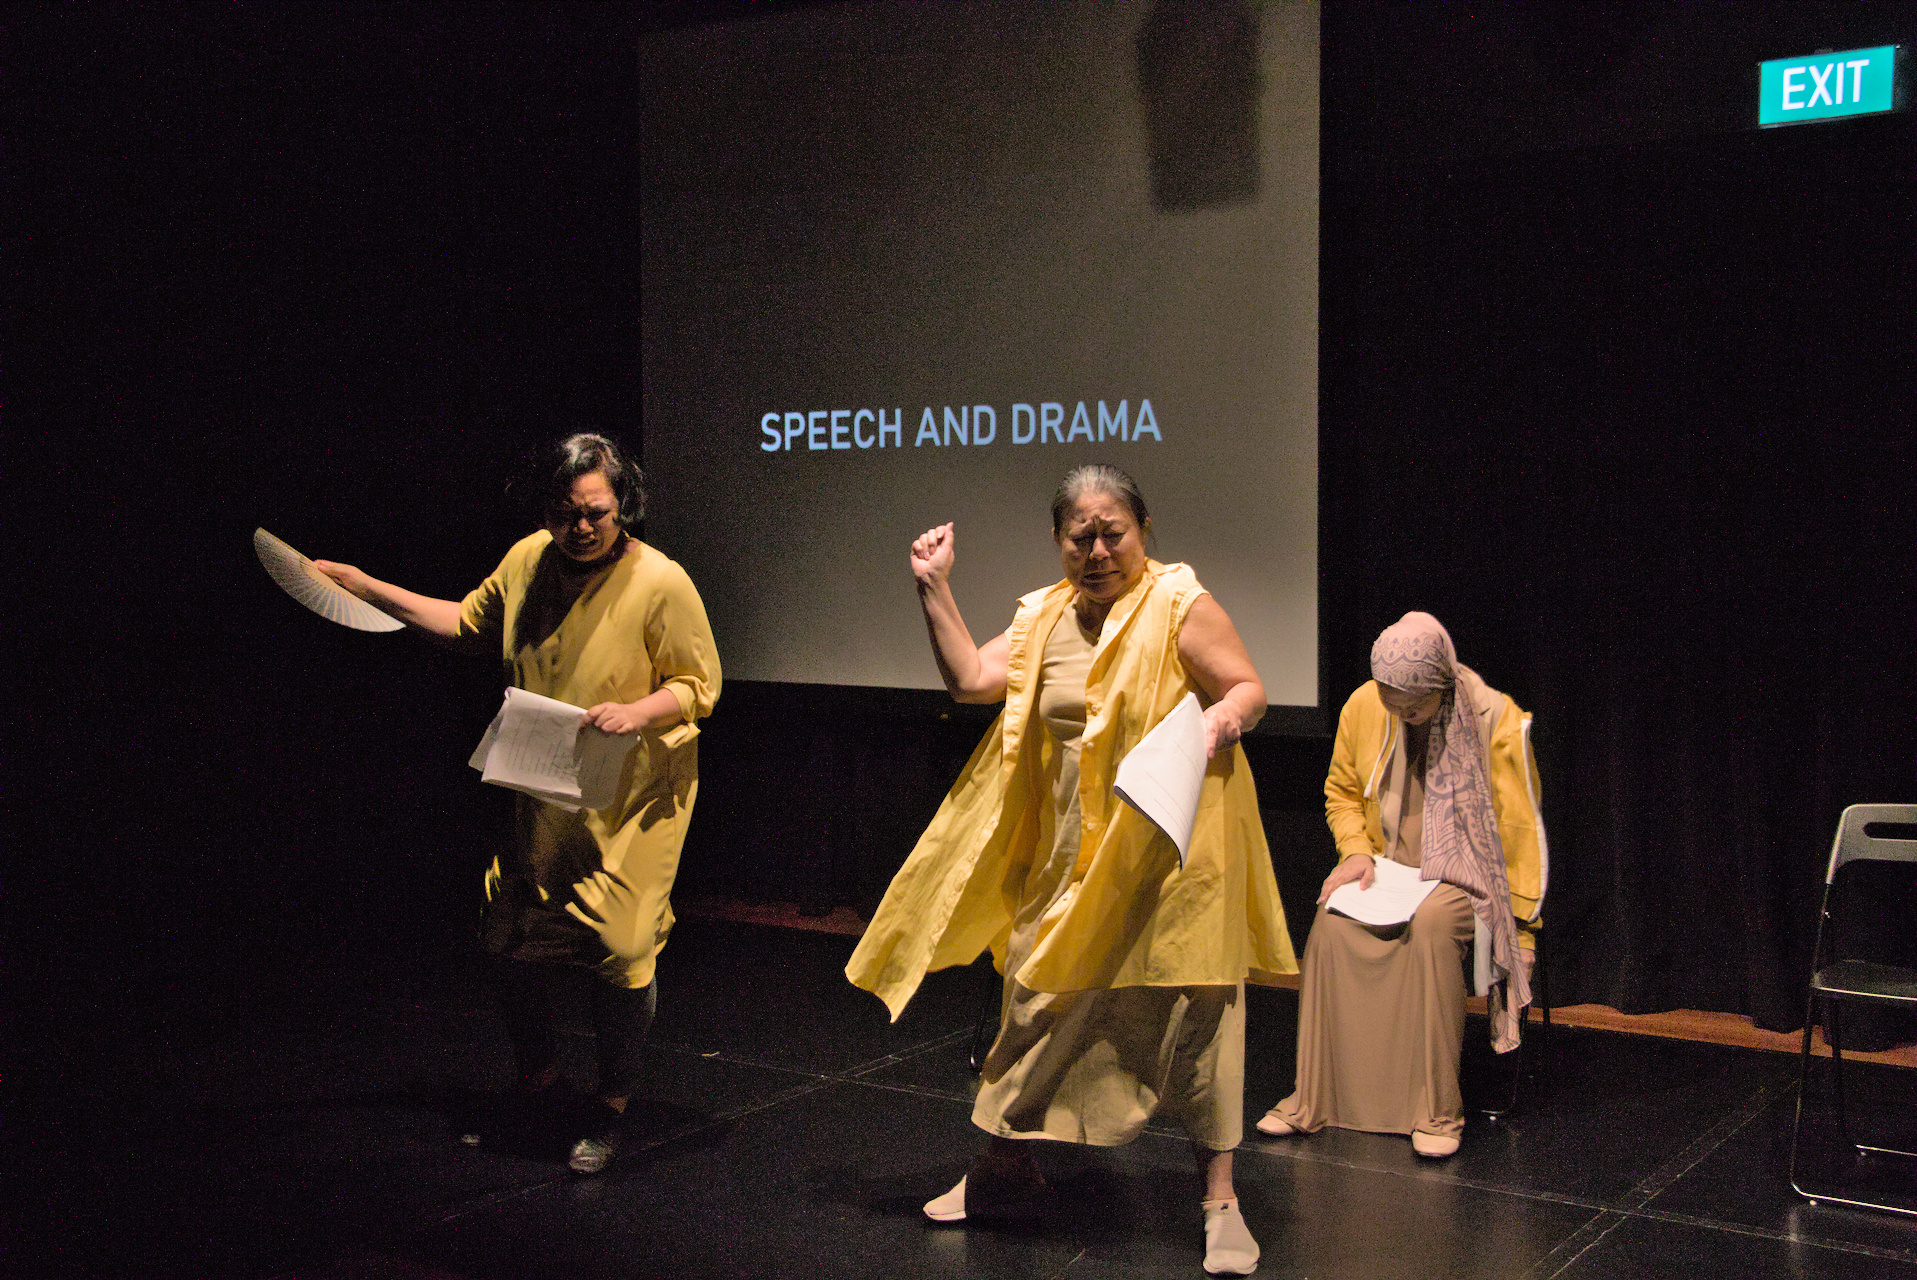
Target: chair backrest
{"points": [[1537, 817], [1874, 833]]}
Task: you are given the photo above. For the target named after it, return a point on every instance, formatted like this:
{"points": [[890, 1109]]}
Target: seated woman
{"points": [[1124, 971], [1430, 769]]}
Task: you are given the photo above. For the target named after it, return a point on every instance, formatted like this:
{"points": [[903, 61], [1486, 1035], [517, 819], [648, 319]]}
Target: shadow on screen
{"points": [[1198, 80]]}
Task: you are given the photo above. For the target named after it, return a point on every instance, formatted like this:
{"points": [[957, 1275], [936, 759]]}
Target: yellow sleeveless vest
{"points": [[1137, 919]]}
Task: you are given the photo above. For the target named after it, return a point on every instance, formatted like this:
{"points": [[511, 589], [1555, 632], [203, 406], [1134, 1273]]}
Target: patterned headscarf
{"points": [[1460, 844], [1415, 654]]}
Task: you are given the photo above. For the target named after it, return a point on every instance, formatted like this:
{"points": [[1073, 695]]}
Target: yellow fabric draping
{"points": [[1138, 918]]}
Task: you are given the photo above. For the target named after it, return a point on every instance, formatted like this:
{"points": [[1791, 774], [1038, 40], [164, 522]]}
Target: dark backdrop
{"points": [[1623, 389], [1617, 386]]}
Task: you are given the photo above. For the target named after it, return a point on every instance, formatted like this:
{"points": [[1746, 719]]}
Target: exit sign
{"points": [[1826, 86]]}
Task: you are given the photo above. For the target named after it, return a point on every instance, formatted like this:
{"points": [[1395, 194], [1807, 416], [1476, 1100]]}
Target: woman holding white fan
{"points": [[585, 613]]}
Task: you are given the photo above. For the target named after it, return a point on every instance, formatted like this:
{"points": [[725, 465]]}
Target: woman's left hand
{"points": [[1223, 728], [618, 717]]}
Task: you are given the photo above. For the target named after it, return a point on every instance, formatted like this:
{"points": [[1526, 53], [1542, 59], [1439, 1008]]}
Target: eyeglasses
{"points": [[565, 517]]}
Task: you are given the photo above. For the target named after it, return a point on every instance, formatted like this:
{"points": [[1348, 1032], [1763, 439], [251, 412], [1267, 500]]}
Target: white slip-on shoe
{"points": [[1229, 1248], [590, 1155], [1434, 1146], [997, 1189], [1277, 1126], [949, 1207]]}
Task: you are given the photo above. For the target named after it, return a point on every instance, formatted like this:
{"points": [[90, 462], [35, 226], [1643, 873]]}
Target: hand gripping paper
{"points": [[1394, 896], [545, 748]]}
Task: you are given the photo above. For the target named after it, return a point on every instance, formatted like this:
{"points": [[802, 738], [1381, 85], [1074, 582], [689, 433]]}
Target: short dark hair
{"points": [[549, 478], [1096, 477]]}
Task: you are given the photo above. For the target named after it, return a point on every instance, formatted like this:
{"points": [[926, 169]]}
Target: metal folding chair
{"points": [[1866, 832]]}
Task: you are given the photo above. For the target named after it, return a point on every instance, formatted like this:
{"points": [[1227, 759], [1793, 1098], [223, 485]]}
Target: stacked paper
{"points": [[545, 748], [1393, 898]]}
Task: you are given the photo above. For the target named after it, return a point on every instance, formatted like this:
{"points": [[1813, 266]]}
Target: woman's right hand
{"points": [[437, 618], [1359, 867], [351, 579], [971, 673], [932, 556]]}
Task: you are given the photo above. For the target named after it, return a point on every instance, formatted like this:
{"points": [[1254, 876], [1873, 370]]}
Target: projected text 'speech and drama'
{"points": [[907, 265], [973, 425]]}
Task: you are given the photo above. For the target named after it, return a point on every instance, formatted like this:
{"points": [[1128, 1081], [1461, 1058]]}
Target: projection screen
{"points": [[908, 263]]}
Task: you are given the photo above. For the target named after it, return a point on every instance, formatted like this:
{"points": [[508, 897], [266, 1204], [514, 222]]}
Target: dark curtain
{"points": [[1634, 417], [1621, 391]]}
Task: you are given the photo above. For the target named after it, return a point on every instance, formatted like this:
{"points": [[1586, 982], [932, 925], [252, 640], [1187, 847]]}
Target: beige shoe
{"points": [[1229, 1248], [949, 1207], [1000, 1189], [1277, 1126], [1434, 1146], [591, 1155]]}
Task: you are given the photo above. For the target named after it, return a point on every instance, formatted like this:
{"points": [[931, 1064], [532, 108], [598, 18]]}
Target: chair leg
{"points": [[1512, 1062], [1803, 1083], [1540, 973], [1833, 1031], [1859, 1153]]}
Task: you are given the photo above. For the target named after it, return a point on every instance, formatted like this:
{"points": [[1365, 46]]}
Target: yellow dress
{"points": [[1135, 918], [593, 887]]}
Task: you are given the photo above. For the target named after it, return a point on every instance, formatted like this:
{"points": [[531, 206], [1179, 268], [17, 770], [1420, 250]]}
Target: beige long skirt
{"points": [[1381, 1022], [1095, 1066]]}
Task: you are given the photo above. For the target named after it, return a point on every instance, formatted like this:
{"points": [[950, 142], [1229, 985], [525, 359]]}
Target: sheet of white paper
{"points": [[299, 579], [486, 740], [600, 758], [1393, 898], [1162, 776], [535, 745]]}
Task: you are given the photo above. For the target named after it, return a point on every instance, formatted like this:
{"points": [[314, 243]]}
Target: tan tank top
{"points": [[1063, 670], [1410, 849]]}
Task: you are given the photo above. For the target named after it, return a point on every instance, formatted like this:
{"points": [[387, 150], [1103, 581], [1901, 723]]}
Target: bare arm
{"points": [[972, 672], [1209, 647], [439, 619]]}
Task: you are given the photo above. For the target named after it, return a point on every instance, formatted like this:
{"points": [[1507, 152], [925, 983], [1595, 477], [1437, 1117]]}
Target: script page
{"points": [[542, 747], [1162, 776], [1393, 898]]}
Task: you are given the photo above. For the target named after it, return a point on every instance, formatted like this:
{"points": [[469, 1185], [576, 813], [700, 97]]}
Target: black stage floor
{"points": [[786, 1129]]}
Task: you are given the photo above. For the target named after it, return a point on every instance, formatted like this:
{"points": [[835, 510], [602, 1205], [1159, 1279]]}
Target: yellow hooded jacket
{"points": [[1367, 778]]}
